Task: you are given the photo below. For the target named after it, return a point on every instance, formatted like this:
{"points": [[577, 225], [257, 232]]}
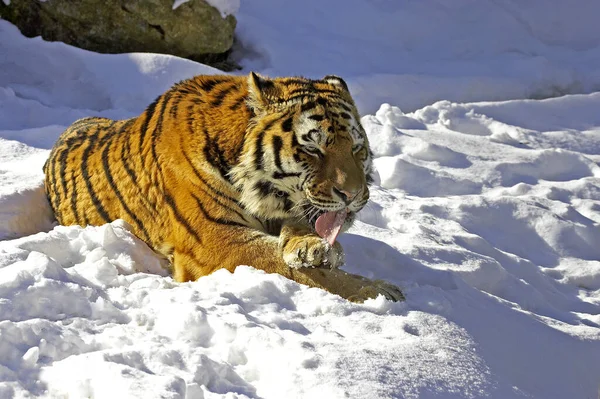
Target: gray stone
{"points": [[194, 30]]}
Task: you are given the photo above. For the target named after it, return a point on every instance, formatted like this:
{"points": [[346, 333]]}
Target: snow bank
{"points": [[44, 84], [71, 305], [413, 53]]}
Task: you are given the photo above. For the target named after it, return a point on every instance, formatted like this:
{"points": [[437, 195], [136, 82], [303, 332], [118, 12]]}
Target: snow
{"points": [[485, 212], [413, 53]]}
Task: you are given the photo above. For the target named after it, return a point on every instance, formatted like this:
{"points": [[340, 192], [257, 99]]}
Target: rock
{"points": [[194, 30]]}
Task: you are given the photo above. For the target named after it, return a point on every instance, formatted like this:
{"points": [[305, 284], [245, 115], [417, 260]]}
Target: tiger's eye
{"points": [[312, 150]]}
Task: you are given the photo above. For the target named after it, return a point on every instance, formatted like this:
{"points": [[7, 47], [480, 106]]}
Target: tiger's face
{"points": [[306, 152]]}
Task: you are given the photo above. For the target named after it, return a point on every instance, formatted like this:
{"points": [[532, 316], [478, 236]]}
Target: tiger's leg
{"points": [[314, 262], [352, 287], [303, 248], [233, 246]]}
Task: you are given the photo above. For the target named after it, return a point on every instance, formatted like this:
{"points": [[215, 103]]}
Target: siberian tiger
{"points": [[222, 171]]}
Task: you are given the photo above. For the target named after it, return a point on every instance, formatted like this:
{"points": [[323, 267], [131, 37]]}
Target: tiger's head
{"points": [[305, 152]]}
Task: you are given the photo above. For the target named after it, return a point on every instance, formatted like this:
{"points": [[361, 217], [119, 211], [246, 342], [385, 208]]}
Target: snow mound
{"points": [[71, 303], [57, 84], [413, 53]]}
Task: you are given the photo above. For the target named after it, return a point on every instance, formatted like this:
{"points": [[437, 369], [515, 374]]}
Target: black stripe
{"points": [[214, 219], [171, 202], [148, 114], [185, 87], [258, 160], [302, 92], [317, 118], [71, 144], [345, 115], [287, 203], [214, 155], [175, 104], [109, 133], [308, 106], [345, 107], [265, 188], [217, 194], [297, 81], [111, 182], [295, 142], [74, 198], [258, 152], [189, 254], [185, 91], [277, 146], [286, 126], [158, 131], [77, 141], [257, 236], [50, 173], [92, 140], [334, 93], [283, 175], [237, 103], [125, 159], [209, 83], [125, 154], [84, 122], [219, 97], [199, 176]]}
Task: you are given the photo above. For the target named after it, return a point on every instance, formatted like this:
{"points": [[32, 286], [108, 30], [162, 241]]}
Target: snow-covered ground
{"points": [[413, 53], [487, 215]]}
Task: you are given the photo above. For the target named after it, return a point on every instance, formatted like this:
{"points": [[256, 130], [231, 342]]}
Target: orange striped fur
{"points": [[221, 171]]}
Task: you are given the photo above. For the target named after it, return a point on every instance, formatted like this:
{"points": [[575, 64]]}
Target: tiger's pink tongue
{"points": [[329, 224]]}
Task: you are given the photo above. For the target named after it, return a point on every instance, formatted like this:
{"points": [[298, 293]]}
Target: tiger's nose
{"points": [[346, 195]]}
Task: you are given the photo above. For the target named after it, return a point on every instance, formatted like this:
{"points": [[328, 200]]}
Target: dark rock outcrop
{"points": [[194, 30]]}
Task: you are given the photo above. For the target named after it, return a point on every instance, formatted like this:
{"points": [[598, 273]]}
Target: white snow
{"points": [[413, 53], [487, 214]]}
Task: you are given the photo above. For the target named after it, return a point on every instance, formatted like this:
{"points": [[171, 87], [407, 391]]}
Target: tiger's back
{"points": [[93, 177], [101, 170], [207, 170]]}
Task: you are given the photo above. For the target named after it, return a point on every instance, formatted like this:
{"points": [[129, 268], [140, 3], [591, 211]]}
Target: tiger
{"points": [[225, 170]]}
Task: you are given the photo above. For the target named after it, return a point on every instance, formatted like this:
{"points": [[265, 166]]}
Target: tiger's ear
{"points": [[336, 81], [261, 91]]}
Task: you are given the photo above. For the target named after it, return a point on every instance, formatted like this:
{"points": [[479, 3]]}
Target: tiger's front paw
{"points": [[312, 251], [376, 288]]}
